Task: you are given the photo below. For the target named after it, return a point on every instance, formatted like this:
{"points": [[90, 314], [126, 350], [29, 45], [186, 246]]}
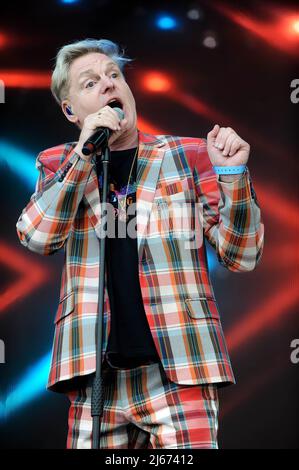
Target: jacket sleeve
{"points": [[45, 223], [231, 215]]}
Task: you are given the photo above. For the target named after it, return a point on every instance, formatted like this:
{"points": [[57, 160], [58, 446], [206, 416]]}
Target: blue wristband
{"points": [[229, 170]]}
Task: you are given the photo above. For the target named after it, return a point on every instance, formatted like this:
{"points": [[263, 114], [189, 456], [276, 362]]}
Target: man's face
{"points": [[94, 79]]}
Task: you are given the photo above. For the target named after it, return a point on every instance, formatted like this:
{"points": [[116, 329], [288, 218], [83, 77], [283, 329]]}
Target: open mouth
{"points": [[115, 104]]}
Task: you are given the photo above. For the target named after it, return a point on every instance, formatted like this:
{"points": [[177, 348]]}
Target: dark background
{"points": [[245, 79]]}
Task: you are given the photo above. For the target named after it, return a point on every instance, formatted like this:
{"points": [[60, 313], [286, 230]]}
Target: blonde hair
{"points": [[67, 54]]}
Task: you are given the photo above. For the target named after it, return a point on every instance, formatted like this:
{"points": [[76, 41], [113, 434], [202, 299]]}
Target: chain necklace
{"points": [[123, 203]]}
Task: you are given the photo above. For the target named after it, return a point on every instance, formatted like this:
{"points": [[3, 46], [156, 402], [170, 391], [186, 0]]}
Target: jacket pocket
{"points": [[202, 307], [180, 189], [173, 187], [65, 307]]}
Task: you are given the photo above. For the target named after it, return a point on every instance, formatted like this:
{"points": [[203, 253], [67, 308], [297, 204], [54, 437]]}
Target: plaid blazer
{"points": [[179, 301]]}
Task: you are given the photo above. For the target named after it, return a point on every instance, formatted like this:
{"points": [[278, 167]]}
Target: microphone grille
{"points": [[120, 113]]}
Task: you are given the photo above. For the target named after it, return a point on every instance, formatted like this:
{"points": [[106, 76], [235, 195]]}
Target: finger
{"points": [[223, 137], [213, 133], [117, 119], [235, 146], [106, 121], [123, 122], [108, 112], [113, 113], [220, 137], [228, 143]]}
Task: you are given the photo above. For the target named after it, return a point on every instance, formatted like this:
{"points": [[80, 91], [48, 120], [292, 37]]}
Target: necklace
{"points": [[123, 203]]}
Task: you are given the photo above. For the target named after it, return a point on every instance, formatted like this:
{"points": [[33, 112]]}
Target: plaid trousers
{"points": [[143, 409]]}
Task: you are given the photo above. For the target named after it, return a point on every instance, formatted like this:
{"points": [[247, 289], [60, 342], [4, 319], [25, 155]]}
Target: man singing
{"points": [[164, 351]]}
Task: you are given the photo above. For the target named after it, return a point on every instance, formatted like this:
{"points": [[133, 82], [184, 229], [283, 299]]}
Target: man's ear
{"points": [[68, 112]]}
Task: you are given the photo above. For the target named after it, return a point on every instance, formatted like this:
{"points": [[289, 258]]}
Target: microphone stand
{"points": [[97, 396]]}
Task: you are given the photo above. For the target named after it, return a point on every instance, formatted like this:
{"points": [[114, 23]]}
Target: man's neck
{"points": [[125, 141]]}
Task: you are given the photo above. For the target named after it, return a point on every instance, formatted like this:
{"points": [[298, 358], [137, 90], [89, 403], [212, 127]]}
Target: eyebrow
{"points": [[92, 72]]}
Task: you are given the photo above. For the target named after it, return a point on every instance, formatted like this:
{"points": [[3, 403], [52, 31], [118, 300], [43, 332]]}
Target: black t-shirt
{"points": [[130, 337]]}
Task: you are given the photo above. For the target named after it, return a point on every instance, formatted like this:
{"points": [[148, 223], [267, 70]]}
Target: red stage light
{"points": [[280, 30], [296, 26], [30, 275], [157, 82], [3, 40], [25, 78]]}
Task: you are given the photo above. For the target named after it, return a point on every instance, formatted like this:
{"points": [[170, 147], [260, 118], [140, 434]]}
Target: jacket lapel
{"points": [[150, 156], [149, 159]]}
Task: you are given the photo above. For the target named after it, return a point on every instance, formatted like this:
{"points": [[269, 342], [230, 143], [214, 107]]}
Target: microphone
{"points": [[100, 136]]}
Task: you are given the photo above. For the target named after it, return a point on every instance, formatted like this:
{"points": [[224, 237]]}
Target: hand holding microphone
{"points": [[108, 120]]}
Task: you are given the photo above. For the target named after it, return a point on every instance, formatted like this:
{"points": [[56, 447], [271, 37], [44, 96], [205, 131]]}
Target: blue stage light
{"points": [[213, 263], [2, 410], [69, 1], [29, 387], [166, 22], [20, 162]]}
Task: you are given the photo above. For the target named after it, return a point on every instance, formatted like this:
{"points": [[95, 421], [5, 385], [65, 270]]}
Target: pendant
{"points": [[123, 209], [122, 216]]}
